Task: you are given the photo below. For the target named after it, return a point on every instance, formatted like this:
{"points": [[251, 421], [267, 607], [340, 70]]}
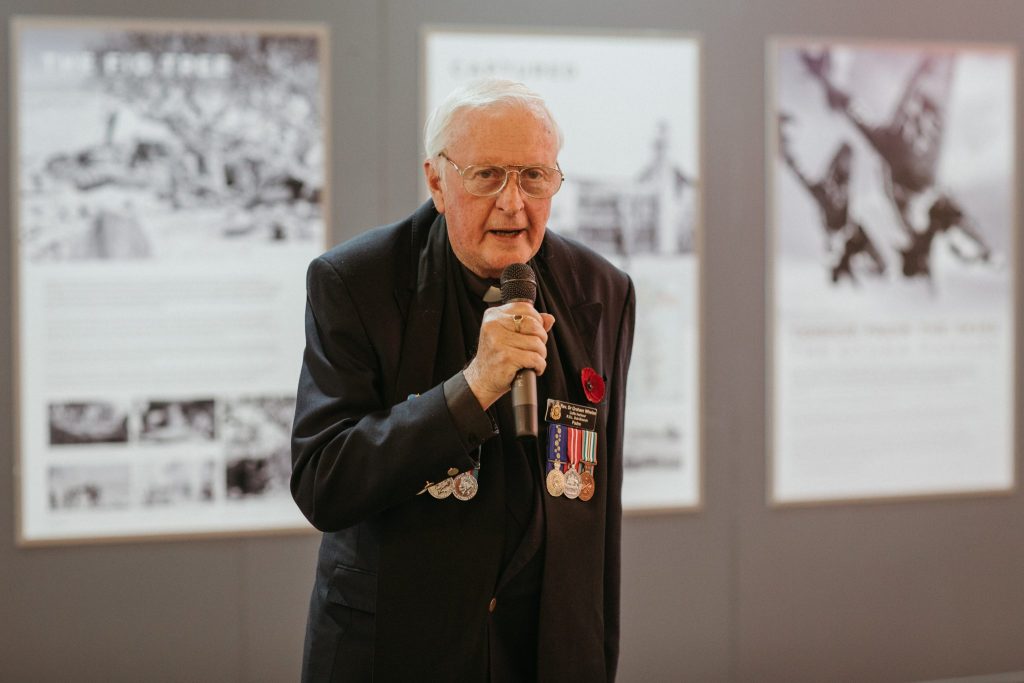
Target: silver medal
{"points": [[572, 484], [555, 482], [466, 486], [442, 489]]}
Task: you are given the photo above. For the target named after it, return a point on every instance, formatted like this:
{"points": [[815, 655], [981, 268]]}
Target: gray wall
{"points": [[736, 592]]}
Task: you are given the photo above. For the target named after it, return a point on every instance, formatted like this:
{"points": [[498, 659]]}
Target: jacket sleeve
{"points": [[613, 520], [353, 455]]}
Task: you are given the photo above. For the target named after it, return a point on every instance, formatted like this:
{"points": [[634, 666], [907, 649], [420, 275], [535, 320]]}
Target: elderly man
{"points": [[454, 550]]}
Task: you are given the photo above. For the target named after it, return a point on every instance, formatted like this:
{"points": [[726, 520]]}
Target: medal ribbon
{"points": [[575, 448], [556, 446], [590, 449]]}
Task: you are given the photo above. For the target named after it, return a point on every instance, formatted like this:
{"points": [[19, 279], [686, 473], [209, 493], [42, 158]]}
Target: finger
{"points": [[495, 371], [548, 321], [531, 344], [527, 333], [527, 359], [536, 325], [505, 316], [522, 308]]}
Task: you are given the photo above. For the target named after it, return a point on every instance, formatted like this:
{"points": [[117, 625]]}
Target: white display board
{"points": [[169, 190], [891, 326], [629, 105]]}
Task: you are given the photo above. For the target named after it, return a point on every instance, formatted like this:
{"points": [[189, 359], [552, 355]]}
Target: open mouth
{"points": [[508, 233]]}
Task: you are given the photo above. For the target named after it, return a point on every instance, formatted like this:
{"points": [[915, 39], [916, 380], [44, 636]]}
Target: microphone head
{"points": [[518, 283]]}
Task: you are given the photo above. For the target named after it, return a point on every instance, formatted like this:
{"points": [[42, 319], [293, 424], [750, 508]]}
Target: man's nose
{"points": [[511, 197]]}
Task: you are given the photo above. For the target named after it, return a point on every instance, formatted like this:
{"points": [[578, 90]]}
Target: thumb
{"points": [[548, 320]]}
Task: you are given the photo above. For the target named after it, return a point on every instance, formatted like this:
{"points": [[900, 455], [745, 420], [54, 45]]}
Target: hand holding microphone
{"points": [[512, 350], [519, 284]]}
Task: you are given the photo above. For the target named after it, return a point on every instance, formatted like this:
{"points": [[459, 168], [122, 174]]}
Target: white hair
{"points": [[480, 94]]}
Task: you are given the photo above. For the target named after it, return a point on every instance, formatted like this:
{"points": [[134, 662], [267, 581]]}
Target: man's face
{"points": [[489, 233]]}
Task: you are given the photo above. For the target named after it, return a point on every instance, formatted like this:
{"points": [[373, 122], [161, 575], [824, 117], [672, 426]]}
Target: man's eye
{"points": [[487, 173]]}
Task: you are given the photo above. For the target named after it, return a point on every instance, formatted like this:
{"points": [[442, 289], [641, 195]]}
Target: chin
{"points": [[505, 263], [497, 262]]}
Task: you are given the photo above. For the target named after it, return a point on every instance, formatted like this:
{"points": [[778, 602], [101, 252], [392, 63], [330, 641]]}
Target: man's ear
{"points": [[433, 176]]}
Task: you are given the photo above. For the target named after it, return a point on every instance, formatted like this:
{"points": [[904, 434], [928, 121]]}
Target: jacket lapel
{"points": [[568, 525], [423, 300], [577, 321]]}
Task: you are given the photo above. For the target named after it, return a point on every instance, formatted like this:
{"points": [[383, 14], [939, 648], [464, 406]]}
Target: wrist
{"points": [[484, 394]]}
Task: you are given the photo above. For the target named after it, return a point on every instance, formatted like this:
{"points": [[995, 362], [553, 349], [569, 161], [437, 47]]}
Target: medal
{"points": [[586, 485], [574, 449], [442, 489], [555, 482], [556, 457], [589, 452], [572, 484], [465, 486]]}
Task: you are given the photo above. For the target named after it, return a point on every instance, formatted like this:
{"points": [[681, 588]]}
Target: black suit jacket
{"points": [[405, 582]]}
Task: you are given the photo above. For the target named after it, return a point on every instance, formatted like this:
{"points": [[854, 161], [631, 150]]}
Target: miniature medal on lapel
{"points": [[463, 486]]}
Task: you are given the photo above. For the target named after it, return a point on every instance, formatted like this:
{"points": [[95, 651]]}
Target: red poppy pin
{"points": [[593, 385]]}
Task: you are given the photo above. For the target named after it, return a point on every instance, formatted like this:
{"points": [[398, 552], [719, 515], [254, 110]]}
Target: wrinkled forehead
{"points": [[507, 133]]}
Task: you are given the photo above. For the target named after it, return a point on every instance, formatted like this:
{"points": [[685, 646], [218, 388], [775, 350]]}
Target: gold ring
{"points": [[517, 320]]}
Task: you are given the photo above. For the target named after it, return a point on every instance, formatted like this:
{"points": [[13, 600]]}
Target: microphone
{"points": [[518, 283]]}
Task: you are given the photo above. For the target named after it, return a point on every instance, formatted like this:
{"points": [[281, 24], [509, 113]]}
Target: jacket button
{"points": [[452, 471], [492, 605]]}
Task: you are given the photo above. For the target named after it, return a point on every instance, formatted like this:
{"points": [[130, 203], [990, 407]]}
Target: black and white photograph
{"points": [[150, 143], [650, 209], [89, 487], [169, 188], [166, 482], [892, 193], [257, 435], [629, 106], [177, 421], [902, 157], [88, 422]]}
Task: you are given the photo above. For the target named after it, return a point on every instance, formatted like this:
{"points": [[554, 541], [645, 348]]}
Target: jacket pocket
{"points": [[354, 588]]}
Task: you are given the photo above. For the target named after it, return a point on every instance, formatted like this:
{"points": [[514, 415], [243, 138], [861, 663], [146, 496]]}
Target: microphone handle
{"points": [[524, 397], [524, 402]]}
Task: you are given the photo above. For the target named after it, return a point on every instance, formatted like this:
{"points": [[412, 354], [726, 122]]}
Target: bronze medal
{"points": [[556, 482], [442, 489], [466, 486], [572, 484], [586, 486]]}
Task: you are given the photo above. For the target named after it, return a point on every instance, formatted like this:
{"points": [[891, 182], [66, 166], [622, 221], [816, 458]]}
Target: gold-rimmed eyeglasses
{"points": [[539, 182]]}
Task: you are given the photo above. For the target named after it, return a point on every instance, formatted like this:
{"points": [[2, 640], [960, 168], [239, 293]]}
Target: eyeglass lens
{"points": [[535, 181]]}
